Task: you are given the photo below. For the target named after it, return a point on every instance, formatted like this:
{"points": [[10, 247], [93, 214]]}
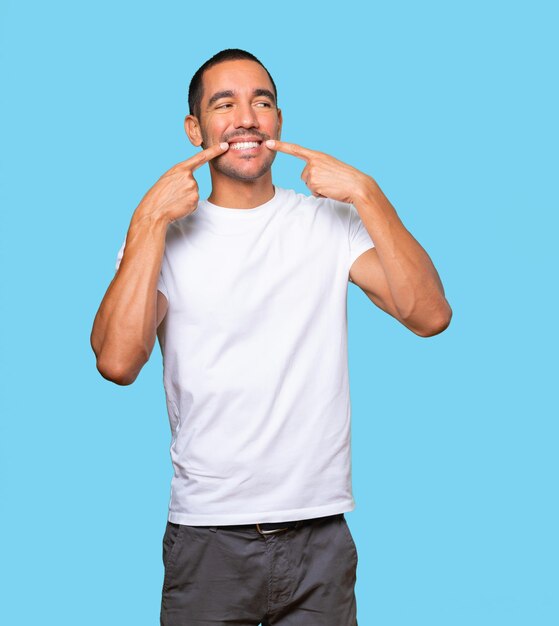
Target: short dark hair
{"points": [[196, 89]]}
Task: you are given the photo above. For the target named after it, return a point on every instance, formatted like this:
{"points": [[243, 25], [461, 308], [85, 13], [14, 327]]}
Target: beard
{"points": [[245, 170]]}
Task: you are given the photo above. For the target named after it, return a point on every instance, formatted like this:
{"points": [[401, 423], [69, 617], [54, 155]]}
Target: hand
{"points": [[325, 176], [176, 193]]}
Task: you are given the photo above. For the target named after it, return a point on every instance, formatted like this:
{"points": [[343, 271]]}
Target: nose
{"points": [[245, 116]]}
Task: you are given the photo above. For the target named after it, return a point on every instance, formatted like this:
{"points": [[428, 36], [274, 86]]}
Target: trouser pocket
{"points": [[171, 544], [349, 538]]}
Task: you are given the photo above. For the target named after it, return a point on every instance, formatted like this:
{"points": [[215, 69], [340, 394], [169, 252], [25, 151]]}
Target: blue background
{"points": [[452, 108]]}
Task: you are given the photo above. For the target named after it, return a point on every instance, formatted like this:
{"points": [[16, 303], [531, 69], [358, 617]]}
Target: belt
{"points": [[268, 528]]}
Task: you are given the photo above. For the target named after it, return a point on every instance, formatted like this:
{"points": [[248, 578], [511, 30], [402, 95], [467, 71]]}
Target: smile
{"points": [[244, 145]]}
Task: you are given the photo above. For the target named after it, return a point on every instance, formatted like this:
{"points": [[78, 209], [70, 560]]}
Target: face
{"points": [[237, 106]]}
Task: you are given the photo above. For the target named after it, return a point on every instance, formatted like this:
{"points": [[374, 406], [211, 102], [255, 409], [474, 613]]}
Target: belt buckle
{"points": [[270, 532]]}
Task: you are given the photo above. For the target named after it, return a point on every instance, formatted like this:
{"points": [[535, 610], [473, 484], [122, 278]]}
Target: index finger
{"points": [[290, 148], [205, 155]]}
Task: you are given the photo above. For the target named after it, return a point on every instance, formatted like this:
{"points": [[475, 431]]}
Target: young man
{"points": [[246, 292]]}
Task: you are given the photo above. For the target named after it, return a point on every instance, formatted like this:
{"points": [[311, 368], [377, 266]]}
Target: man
{"points": [[246, 292]]}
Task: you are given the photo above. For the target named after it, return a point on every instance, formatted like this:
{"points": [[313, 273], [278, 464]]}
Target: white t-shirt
{"points": [[255, 359]]}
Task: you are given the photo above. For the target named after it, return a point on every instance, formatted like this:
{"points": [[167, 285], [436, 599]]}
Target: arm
{"points": [[125, 326], [397, 275]]}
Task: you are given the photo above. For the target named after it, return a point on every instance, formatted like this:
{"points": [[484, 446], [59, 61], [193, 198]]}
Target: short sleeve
{"points": [[160, 283], [119, 255], [359, 238]]}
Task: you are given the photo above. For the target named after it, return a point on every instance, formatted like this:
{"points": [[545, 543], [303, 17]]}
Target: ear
{"points": [[280, 122], [192, 128]]}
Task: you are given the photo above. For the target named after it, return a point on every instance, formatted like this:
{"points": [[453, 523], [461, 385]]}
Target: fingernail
{"points": [[223, 145], [270, 143]]}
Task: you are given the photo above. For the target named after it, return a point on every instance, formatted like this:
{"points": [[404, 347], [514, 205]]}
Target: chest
{"points": [[264, 271]]}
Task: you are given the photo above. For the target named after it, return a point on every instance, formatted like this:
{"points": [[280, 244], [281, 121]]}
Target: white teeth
{"points": [[244, 145]]}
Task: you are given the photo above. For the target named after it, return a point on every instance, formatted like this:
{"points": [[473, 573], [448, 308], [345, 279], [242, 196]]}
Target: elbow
{"points": [[117, 360], [116, 375], [117, 371], [438, 322]]}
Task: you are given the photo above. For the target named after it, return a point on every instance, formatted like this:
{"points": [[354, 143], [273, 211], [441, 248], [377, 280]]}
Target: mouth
{"points": [[244, 146]]}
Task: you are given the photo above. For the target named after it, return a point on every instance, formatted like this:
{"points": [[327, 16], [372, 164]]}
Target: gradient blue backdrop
{"points": [[452, 108]]}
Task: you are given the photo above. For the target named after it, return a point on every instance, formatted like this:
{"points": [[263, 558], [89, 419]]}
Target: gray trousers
{"points": [[302, 576]]}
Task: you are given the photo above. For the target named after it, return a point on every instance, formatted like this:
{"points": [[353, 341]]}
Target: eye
{"points": [[264, 104], [224, 105]]}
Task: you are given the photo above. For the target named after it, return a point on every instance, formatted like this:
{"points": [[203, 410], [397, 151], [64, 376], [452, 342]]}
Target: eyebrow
{"points": [[230, 94]]}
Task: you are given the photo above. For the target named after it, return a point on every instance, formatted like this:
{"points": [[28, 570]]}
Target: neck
{"points": [[241, 194]]}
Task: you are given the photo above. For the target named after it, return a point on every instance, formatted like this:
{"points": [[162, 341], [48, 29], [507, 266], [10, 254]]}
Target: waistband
{"points": [[265, 528]]}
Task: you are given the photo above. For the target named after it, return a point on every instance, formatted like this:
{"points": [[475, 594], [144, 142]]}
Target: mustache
{"points": [[261, 136]]}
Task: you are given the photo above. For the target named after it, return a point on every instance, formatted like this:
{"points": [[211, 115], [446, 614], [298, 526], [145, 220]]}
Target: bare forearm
{"points": [[124, 329], [414, 283]]}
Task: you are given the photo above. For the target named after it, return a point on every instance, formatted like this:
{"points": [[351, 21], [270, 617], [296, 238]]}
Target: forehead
{"points": [[238, 76]]}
